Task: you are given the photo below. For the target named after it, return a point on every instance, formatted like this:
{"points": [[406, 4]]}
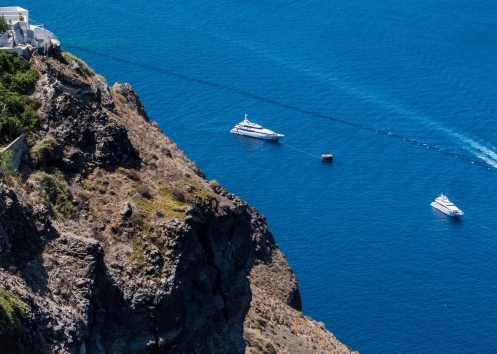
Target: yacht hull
{"points": [[256, 135], [445, 210]]}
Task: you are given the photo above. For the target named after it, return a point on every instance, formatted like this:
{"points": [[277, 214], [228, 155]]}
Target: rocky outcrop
{"points": [[152, 257], [74, 109]]}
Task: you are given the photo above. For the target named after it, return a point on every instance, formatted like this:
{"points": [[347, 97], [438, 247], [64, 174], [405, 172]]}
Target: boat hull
{"points": [[446, 211], [274, 136], [326, 157]]}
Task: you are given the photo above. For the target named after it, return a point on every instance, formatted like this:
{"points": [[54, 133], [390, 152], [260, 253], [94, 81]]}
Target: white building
{"points": [[21, 33]]}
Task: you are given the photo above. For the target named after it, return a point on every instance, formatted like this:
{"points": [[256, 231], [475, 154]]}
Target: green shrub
{"points": [[17, 111], [54, 193], [42, 151], [82, 68], [12, 309], [16, 75], [3, 25], [6, 167], [145, 192], [17, 115], [178, 195], [23, 82]]}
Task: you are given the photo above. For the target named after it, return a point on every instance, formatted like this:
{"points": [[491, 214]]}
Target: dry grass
{"points": [[287, 329], [257, 343], [164, 201], [159, 188], [12, 309]]}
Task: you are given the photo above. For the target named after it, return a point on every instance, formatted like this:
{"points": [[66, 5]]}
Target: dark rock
{"points": [[167, 285], [86, 136], [127, 210], [131, 97]]}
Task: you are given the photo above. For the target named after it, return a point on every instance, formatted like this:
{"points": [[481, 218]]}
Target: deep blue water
{"points": [[403, 93]]}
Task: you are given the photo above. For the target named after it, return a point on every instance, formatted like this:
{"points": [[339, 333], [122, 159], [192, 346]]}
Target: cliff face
{"points": [[112, 241]]}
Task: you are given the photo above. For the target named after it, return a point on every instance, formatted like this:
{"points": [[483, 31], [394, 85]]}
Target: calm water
{"points": [[402, 93]]}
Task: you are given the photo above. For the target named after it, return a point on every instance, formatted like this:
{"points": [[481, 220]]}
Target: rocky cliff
{"points": [[112, 241]]}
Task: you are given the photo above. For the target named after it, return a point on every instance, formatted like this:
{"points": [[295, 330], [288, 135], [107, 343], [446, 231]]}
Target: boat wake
{"points": [[484, 153]]}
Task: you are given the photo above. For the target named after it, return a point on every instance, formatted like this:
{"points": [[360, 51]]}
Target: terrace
{"points": [[21, 31]]}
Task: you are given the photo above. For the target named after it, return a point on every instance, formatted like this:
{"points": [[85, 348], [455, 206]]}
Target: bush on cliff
{"points": [[82, 68], [12, 310], [54, 193], [6, 167], [17, 75], [17, 110], [3, 25], [42, 152]]}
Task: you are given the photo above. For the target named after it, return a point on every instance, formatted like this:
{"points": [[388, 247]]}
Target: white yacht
{"points": [[443, 204], [249, 128]]}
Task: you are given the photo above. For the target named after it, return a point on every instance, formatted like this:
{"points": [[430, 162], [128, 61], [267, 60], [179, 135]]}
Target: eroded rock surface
{"points": [[143, 255]]}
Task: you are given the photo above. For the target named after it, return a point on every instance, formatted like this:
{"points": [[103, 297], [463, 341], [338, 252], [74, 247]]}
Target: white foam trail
{"points": [[481, 151]]}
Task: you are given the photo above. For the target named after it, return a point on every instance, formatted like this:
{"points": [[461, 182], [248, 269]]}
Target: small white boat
{"points": [[443, 204], [327, 157], [254, 130]]}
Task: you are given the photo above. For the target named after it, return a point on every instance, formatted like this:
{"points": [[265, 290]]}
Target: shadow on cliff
{"points": [[111, 315], [201, 303], [123, 316], [24, 232]]}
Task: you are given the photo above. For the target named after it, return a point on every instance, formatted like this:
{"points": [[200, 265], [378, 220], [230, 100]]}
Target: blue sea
{"points": [[403, 93]]}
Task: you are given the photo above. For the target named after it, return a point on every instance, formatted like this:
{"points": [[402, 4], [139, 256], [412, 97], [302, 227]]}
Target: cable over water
{"points": [[477, 162], [299, 150], [485, 227]]}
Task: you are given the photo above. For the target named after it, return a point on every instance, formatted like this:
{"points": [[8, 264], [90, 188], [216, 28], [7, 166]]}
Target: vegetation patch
{"points": [[138, 244], [54, 193], [165, 201], [3, 25], [7, 170], [12, 309], [198, 193], [81, 67], [257, 343], [139, 231], [42, 151], [17, 111], [145, 192], [171, 199], [130, 173]]}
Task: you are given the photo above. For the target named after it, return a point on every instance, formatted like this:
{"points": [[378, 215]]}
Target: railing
{"points": [[40, 31], [37, 24]]}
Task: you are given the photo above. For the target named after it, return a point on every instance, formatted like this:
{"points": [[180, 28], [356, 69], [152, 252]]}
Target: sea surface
{"points": [[403, 93]]}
